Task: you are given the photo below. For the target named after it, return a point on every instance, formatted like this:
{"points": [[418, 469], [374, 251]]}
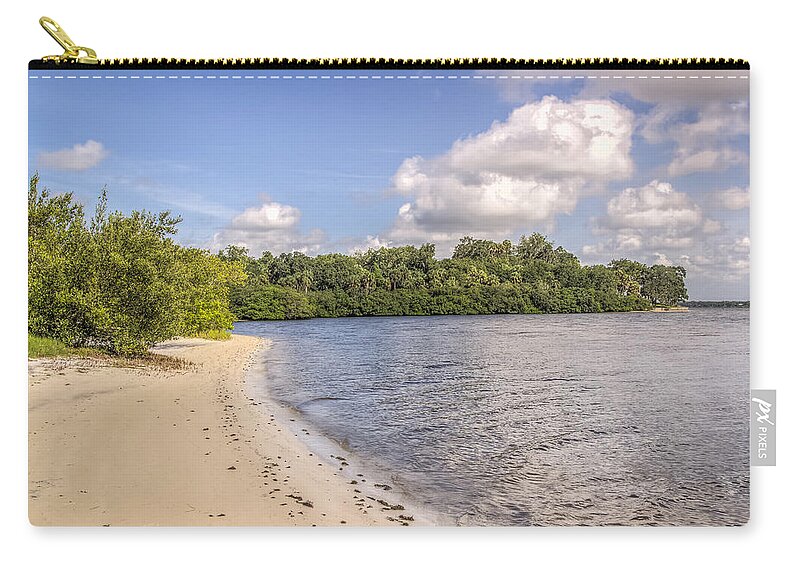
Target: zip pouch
{"points": [[379, 292]]}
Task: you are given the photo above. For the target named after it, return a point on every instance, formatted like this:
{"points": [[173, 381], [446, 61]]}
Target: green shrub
{"points": [[119, 283]]}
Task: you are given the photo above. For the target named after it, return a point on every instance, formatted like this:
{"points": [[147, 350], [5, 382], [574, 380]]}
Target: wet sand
{"points": [[113, 446]]}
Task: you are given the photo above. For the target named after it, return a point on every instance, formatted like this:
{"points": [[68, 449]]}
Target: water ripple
{"points": [[623, 419]]}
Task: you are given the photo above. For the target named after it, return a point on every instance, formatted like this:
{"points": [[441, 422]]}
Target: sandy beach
{"points": [[113, 446]]}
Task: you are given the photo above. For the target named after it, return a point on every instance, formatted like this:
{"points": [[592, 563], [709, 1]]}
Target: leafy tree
{"points": [[471, 248], [120, 283], [534, 246], [203, 285], [664, 285], [59, 267]]}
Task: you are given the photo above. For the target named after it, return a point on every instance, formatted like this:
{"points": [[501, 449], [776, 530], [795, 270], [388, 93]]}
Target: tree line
{"points": [[120, 282], [481, 277]]}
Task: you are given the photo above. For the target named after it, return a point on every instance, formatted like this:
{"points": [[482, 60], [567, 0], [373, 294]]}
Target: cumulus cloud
{"points": [[732, 198], [723, 260], [655, 206], [706, 144], [653, 217], [519, 173], [658, 224], [371, 242], [704, 118], [270, 226], [79, 157], [688, 160]]}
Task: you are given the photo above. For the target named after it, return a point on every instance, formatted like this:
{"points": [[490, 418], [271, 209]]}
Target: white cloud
{"points": [[724, 260], [269, 216], [518, 174], [657, 224], [653, 217], [269, 226], [705, 144], [661, 259], [704, 118], [79, 157], [655, 206], [371, 242], [732, 198], [711, 227], [688, 160], [742, 245]]}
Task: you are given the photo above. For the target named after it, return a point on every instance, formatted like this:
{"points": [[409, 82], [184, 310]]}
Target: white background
{"points": [[426, 29]]}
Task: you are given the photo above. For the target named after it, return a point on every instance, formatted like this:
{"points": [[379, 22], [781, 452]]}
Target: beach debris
{"points": [[390, 507], [299, 499], [405, 517], [231, 468], [384, 487]]}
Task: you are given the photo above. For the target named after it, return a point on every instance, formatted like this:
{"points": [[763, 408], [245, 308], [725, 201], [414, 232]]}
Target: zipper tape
{"points": [[383, 63]]}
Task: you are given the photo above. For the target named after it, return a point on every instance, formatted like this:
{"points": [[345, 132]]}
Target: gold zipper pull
{"points": [[72, 52]]}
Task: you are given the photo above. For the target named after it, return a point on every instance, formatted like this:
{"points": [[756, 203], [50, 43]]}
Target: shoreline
{"points": [[113, 446], [376, 483]]}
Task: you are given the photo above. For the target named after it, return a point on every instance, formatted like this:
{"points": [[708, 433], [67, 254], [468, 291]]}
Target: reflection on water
{"points": [[635, 418]]}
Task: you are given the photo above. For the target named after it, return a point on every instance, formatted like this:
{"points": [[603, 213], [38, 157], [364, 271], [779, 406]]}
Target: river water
{"points": [[599, 419]]}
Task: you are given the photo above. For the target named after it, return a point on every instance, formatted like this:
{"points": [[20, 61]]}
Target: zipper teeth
{"points": [[390, 63]]}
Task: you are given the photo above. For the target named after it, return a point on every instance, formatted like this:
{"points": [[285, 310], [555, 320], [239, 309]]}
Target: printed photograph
{"points": [[403, 297]]}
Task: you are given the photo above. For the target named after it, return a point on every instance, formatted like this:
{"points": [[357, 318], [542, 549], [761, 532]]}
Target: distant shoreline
{"points": [[717, 304], [682, 308]]}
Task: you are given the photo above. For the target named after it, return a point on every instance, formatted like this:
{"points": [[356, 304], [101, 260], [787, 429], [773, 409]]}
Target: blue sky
{"points": [[648, 169]]}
